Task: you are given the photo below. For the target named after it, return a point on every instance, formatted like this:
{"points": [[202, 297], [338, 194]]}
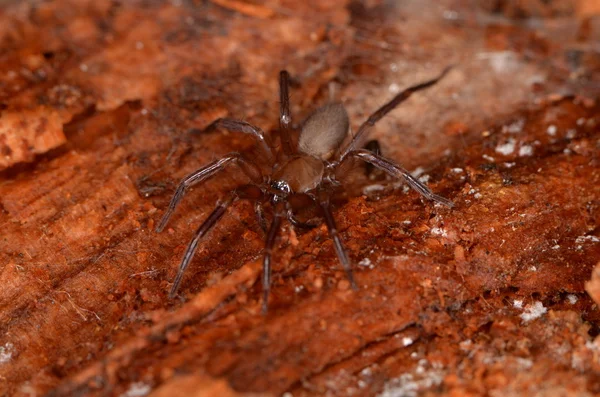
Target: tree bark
{"points": [[104, 107]]}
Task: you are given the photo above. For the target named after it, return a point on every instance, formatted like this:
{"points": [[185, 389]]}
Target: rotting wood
{"points": [[488, 296]]}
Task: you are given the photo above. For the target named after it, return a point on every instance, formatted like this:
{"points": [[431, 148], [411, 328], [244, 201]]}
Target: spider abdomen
{"points": [[324, 130]]}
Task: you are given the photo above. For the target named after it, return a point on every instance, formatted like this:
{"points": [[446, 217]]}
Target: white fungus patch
{"points": [[424, 178], [417, 172], [6, 352], [518, 303], [366, 262], [591, 345], [500, 61], [583, 239], [533, 311], [514, 128], [438, 231], [551, 130], [137, 389], [572, 299], [412, 384], [466, 345], [370, 189], [507, 148], [524, 363], [394, 88], [406, 341], [488, 158], [450, 15], [457, 170], [475, 194], [525, 150]]}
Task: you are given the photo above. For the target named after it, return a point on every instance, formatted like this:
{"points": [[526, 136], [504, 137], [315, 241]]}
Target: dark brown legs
{"points": [[397, 171], [372, 146], [212, 219], [337, 241], [385, 109], [260, 215], [269, 243], [246, 128], [203, 174], [285, 118]]}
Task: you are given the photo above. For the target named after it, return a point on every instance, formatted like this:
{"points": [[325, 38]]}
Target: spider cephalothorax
{"points": [[306, 168]]}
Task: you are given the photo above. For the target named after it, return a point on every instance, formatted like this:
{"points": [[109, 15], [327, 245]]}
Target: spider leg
{"points": [[397, 171], [388, 107], [270, 241], [285, 118], [260, 215], [198, 176], [310, 224], [337, 241], [247, 128], [201, 232], [373, 146]]}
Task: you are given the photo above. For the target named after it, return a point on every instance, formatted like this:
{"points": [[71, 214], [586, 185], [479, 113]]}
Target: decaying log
{"points": [[104, 107]]}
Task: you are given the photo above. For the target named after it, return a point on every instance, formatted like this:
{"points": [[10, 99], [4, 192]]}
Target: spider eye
{"points": [[282, 186]]}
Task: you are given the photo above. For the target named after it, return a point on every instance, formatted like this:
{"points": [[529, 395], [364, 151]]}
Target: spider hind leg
{"points": [[204, 228], [397, 171]]}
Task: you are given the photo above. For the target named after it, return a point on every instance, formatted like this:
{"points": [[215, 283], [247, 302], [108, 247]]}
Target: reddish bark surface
{"points": [[103, 109]]}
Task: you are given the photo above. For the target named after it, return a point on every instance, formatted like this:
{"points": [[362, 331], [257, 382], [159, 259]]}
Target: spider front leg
{"points": [[397, 171], [385, 109], [285, 118], [247, 128], [269, 243], [198, 176]]}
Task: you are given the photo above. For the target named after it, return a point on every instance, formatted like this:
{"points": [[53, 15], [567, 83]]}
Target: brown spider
{"points": [[307, 169]]}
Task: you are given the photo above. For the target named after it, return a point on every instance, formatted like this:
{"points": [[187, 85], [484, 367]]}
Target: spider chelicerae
{"points": [[305, 169]]}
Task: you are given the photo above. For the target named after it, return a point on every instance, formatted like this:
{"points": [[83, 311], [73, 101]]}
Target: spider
{"points": [[306, 168]]}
